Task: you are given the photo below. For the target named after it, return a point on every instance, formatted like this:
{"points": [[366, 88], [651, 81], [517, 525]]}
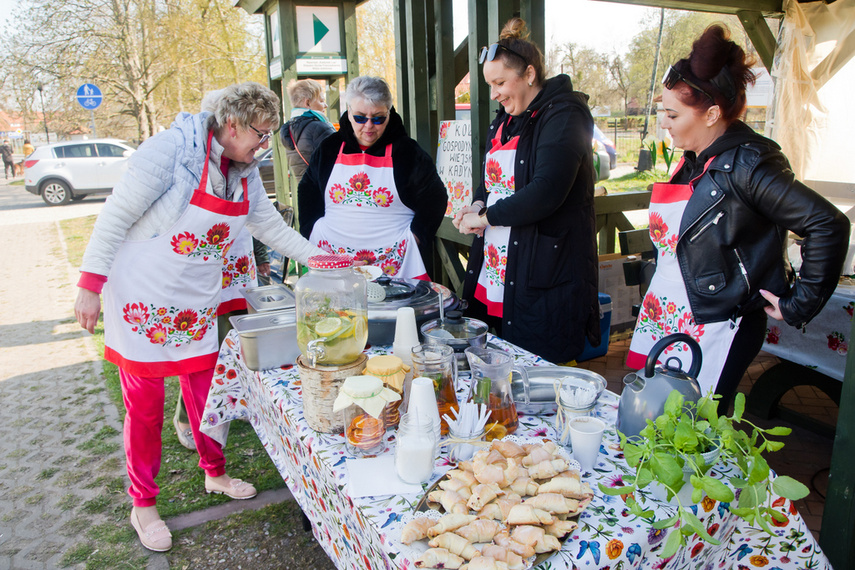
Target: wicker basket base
{"points": [[320, 389]]}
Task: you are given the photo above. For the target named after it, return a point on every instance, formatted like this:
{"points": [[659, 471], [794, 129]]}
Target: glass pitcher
{"points": [[491, 385], [437, 362]]}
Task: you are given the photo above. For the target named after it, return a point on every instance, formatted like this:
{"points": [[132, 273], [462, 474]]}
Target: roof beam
{"points": [[766, 7], [760, 34]]}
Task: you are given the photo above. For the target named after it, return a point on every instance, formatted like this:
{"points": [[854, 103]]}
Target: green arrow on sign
{"points": [[319, 28]]}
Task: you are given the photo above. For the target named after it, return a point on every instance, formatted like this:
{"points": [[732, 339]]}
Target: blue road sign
{"points": [[89, 96]]}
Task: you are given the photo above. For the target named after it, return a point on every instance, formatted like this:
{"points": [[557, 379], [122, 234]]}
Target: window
{"points": [[75, 151], [105, 149]]}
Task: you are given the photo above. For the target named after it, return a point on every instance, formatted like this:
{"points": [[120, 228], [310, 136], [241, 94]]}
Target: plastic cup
{"points": [[422, 403], [406, 334], [586, 434]]}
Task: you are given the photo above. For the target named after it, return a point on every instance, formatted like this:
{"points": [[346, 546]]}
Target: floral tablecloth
{"points": [[825, 341], [364, 533]]}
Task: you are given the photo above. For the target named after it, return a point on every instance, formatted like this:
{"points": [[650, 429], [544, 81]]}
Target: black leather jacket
{"points": [[733, 236]]}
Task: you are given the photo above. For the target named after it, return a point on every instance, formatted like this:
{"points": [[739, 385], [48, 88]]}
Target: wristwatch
{"points": [[482, 215]]}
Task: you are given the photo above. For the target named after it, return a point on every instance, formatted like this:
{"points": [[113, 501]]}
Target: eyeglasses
{"points": [[262, 137], [362, 119], [489, 53], [672, 76]]}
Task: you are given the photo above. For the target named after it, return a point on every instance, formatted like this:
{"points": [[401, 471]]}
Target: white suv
{"points": [[66, 171]]}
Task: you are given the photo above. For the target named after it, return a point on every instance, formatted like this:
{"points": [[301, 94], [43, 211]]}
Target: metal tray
{"points": [[269, 339], [542, 386], [268, 298]]}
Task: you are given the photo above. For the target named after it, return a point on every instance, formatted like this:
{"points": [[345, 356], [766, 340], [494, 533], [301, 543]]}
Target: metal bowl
{"points": [[542, 385]]}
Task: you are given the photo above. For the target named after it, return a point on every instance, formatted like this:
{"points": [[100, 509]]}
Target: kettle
{"points": [[643, 397]]}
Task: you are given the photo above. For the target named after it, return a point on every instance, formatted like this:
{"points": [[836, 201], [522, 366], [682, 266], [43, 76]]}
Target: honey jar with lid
{"points": [[363, 400], [392, 371]]}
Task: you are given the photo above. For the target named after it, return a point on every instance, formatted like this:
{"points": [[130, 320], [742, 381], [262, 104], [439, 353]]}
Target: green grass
{"points": [[634, 181]]}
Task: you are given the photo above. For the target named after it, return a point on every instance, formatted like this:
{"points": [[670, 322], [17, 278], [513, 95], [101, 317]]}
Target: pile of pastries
{"points": [[514, 500]]}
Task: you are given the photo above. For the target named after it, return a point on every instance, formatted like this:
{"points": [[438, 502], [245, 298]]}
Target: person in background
{"points": [[157, 250], [370, 191], [720, 226], [532, 272], [8, 160], [28, 148], [308, 125]]}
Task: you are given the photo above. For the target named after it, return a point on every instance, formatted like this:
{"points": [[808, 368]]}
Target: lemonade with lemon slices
{"points": [[343, 334]]}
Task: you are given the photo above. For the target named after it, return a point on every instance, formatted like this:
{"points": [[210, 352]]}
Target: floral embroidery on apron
{"points": [[665, 309], [364, 216], [499, 183], [162, 293], [238, 272]]}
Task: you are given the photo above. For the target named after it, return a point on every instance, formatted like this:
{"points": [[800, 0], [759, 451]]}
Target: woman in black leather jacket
{"points": [[721, 225]]}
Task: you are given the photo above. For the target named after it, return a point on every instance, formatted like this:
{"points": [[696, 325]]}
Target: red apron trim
{"points": [[665, 193], [160, 369], [423, 277], [231, 305], [493, 308], [496, 142], [359, 159]]}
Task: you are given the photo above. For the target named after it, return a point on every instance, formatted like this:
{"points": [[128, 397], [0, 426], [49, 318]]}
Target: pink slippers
{"points": [[236, 489], [155, 536]]}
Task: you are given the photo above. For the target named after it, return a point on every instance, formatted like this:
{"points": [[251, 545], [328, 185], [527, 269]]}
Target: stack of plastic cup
{"points": [[422, 402], [406, 334]]}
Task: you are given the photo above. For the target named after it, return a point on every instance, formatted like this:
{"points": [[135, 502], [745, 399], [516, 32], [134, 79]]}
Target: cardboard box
{"points": [[623, 297]]}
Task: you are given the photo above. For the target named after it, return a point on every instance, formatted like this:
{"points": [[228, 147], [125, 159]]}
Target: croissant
{"points": [[450, 522], [566, 486], [527, 534], [452, 502], [560, 528], [483, 494], [480, 530], [503, 554], [526, 514], [547, 469], [458, 486], [466, 476], [512, 471], [484, 563], [416, 529], [489, 473], [524, 486], [553, 503], [536, 455], [465, 465], [500, 508], [509, 449], [523, 550], [438, 558], [455, 544]]}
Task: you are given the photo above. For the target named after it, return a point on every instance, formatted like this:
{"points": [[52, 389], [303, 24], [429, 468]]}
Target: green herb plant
{"points": [[674, 443]]}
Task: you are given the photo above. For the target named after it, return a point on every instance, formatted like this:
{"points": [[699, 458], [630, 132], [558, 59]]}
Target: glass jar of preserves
{"points": [[332, 311], [392, 371], [363, 400]]}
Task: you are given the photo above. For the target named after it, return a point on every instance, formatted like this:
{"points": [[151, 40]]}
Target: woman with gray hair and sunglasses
{"points": [[157, 251], [370, 191]]}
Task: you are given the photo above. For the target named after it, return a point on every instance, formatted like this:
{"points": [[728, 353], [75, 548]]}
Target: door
{"points": [[112, 163]]}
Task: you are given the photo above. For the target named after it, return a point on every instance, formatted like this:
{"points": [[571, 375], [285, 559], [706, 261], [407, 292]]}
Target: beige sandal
{"points": [[236, 489], [155, 536]]}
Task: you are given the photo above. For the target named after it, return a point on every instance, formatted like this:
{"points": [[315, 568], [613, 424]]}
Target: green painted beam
{"points": [[838, 517], [461, 60], [478, 91], [401, 55], [760, 34], [418, 97], [445, 60]]}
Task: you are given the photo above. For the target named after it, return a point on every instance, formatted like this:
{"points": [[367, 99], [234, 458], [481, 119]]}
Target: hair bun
{"points": [[514, 29]]}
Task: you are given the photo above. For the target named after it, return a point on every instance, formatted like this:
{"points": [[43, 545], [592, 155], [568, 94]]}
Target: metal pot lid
{"points": [[269, 297], [456, 325], [260, 322], [422, 296]]}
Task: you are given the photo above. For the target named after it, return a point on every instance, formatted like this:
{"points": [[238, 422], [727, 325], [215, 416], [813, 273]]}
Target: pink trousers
{"points": [[144, 399]]}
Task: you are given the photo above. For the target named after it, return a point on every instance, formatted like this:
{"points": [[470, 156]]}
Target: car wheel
{"points": [[56, 193], [78, 197]]}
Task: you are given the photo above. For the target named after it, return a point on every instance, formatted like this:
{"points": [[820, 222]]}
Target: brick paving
{"points": [[806, 456]]}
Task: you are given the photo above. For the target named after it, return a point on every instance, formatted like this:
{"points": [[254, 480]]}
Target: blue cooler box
{"points": [[605, 325]]}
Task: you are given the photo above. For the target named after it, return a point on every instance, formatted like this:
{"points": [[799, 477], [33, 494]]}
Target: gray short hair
{"points": [[246, 103], [303, 91], [374, 90]]}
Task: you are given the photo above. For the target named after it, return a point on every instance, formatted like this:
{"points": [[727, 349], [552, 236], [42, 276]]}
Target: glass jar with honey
{"points": [[363, 400], [437, 362], [392, 371]]}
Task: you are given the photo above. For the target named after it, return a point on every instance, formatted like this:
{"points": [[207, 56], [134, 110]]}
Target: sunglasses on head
{"points": [[362, 119], [489, 53], [262, 137], [672, 77]]}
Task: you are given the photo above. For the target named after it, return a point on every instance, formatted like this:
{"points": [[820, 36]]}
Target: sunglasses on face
{"points": [[672, 76], [262, 137], [489, 53], [362, 119]]}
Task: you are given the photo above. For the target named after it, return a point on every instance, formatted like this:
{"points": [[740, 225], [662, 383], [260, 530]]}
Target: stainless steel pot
{"points": [[273, 297], [422, 296], [269, 339], [458, 332]]}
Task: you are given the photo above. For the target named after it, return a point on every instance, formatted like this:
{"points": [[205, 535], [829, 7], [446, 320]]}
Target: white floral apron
{"points": [[161, 298], [499, 183], [238, 271], [665, 309], [365, 218]]}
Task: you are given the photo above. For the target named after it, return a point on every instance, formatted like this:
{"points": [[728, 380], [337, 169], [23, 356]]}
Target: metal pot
{"points": [[643, 397], [422, 296], [268, 298], [458, 332]]}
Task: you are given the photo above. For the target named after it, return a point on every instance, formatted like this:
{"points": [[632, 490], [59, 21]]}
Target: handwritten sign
{"points": [[454, 163]]}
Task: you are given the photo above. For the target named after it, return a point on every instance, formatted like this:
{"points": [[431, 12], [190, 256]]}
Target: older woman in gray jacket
{"points": [[157, 251]]}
